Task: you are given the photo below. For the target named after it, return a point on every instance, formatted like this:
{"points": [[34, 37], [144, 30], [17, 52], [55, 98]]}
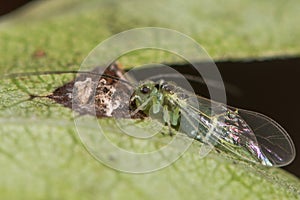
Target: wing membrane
{"points": [[253, 137], [273, 140]]}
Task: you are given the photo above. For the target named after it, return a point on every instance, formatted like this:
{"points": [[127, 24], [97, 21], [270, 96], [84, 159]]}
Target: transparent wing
{"points": [[273, 140], [192, 119], [255, 137]]}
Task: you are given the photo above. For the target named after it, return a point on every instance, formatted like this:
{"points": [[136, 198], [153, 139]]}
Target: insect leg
{"points": [[156, 105], [175, 116], [166, 118], [141, 107]]}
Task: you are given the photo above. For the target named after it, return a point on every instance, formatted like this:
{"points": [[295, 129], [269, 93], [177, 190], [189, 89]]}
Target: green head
{"points": [[150, 93], [144, 93]]}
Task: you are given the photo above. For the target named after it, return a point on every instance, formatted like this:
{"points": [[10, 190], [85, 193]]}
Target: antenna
{"points": [[13, 75]]}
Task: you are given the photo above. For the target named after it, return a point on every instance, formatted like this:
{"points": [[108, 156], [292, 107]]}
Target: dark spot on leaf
{"points": [[39, 53], [105, 90], [95, 95]]}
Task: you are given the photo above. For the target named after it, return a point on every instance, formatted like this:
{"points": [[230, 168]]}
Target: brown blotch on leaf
{"points": [[98, 95], [39, 53]]}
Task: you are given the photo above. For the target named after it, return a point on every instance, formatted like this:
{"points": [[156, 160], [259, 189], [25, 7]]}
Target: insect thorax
{"points": [[159, 97]]}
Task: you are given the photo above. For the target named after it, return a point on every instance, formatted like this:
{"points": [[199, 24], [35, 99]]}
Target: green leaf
{"points": [[41, 155]]}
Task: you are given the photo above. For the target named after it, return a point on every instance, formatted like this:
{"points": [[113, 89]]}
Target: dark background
{"points": [[269, 86], [7, 6], [272, 88]]}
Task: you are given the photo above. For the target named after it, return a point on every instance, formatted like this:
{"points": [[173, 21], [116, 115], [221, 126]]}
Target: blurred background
{"points": [[269, 85]]}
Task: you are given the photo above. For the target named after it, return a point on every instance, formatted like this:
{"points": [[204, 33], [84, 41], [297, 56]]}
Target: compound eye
{"points": [[169, 88], [145, 90]]}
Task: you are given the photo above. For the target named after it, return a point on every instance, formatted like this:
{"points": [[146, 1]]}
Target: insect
{"points": [[249, 135], [259, 138]]}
